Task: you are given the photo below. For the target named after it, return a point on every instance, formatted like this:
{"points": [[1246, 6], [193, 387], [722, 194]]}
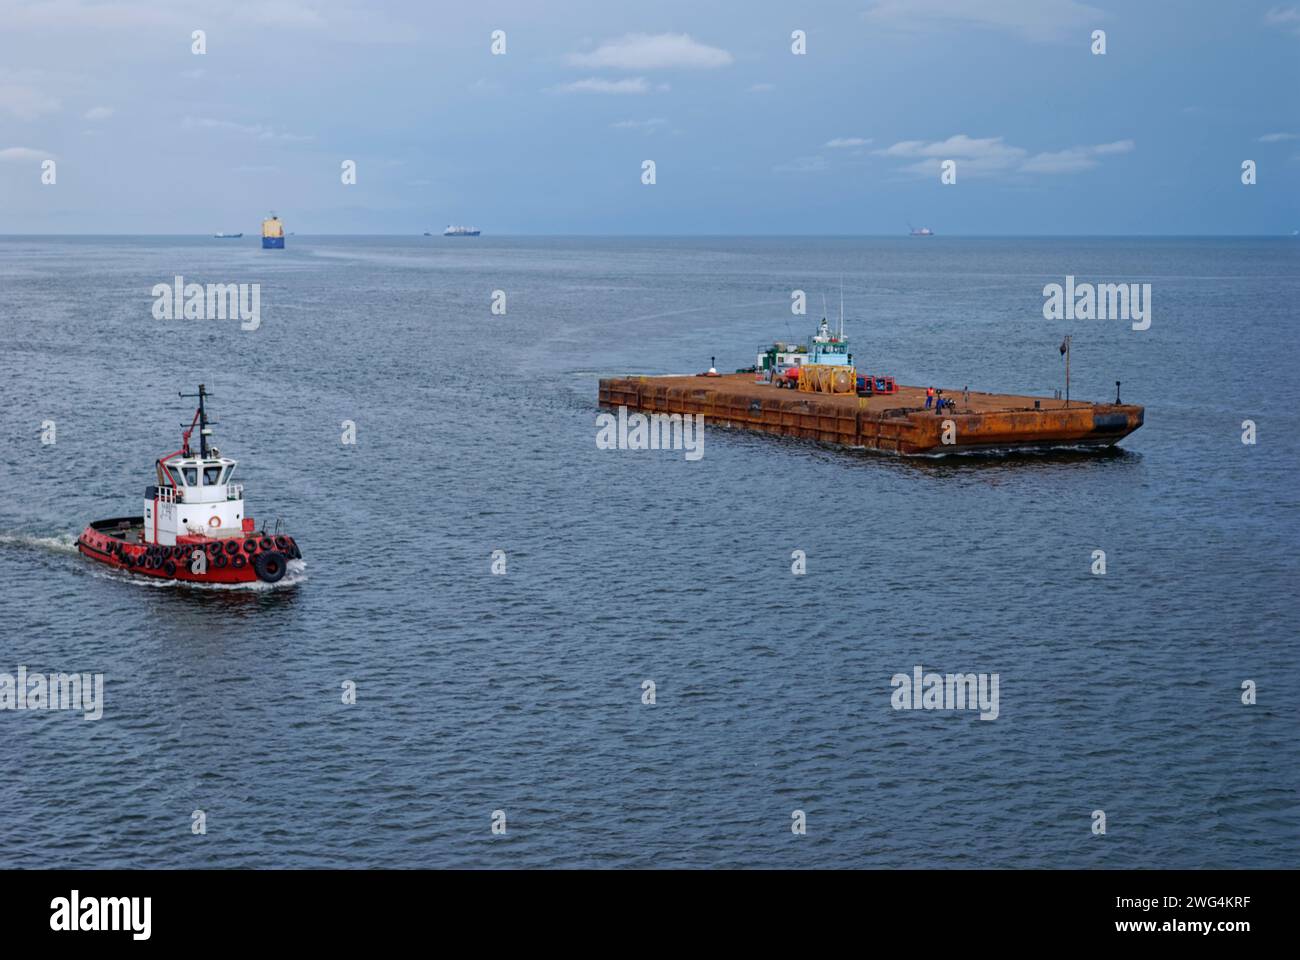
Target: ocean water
{"points": [[522, 692]]}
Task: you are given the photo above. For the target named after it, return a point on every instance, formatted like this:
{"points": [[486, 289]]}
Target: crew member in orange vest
{"points": [[929, 397]]}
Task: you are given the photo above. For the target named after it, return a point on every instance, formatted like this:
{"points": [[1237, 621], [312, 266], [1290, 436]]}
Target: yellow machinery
{"points": [[828, 378]]}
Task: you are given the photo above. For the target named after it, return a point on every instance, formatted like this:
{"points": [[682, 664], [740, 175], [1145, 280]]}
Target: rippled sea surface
{"points": [[523, 693]]}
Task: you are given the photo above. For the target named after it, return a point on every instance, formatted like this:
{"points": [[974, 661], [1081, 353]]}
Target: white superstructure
{"points": [[195, 497]]}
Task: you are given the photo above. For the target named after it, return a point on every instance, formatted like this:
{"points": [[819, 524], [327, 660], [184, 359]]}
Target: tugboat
{"points": [[193, 527], [826, 354]]}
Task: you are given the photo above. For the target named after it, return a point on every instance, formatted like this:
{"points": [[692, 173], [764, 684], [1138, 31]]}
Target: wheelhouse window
{"points": [[191, 476], [211, 474]]}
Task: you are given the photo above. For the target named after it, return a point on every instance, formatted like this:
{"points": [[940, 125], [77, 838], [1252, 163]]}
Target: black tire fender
{"points": [[270, 566]]}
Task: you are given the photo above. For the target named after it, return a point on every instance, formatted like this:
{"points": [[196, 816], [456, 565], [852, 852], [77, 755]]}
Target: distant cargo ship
{"points": [[454, 231], [272, 233], [922, 232], [227, 236]]}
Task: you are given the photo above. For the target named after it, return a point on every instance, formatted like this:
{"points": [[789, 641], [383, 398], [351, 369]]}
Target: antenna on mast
{"points": [[201, 416], [841, 308]]}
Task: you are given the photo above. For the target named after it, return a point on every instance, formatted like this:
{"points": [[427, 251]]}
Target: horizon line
{"points": [[937, 236]]}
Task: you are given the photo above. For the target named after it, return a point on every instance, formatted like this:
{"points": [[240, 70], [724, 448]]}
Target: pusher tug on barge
{"points": [[838, 404], [193, 528]]}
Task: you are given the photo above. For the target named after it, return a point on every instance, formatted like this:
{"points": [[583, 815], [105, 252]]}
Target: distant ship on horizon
{"points": [[272, 233], [227, 236], [920, 231], [457, 231]]}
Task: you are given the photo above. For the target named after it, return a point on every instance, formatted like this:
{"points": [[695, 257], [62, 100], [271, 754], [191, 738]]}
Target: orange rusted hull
{"points": [[898, 423]]}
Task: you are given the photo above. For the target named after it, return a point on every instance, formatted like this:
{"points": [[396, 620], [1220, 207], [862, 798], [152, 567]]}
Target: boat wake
{"points": [[60, 543]]}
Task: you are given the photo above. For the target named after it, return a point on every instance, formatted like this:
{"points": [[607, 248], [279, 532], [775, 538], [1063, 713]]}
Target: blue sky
{"points": [[747, 137]]}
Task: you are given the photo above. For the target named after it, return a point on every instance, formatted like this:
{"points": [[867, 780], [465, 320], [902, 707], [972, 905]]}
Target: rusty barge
{"points": [[896, 423]]}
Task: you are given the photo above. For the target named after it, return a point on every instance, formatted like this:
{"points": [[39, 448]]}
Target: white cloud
{"points": [[99, 113], [1278, 137], [25, 154], [991, 156], [1073, 159], [601, 85], [659, 51], [975, 157], [1288, 18], [26, 103], [1037, 20], [762, 88], [258, 130], [646, 125], [840, 142]]}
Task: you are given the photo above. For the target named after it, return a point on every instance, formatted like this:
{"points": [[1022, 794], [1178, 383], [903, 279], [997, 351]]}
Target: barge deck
{"points": [[896, 423]]}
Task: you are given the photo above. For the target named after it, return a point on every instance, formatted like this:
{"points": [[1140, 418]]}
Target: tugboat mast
{"points": [[204, 430]]}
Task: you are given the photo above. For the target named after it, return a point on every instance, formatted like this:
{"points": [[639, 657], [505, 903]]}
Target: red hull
{"points": [[223, 565]]}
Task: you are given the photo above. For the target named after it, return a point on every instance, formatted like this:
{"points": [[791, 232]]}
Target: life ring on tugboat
{"points": [[214, 522]]}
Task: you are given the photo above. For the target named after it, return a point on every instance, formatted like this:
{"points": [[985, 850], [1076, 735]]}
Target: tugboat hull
{"points": [[118, 543]]}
